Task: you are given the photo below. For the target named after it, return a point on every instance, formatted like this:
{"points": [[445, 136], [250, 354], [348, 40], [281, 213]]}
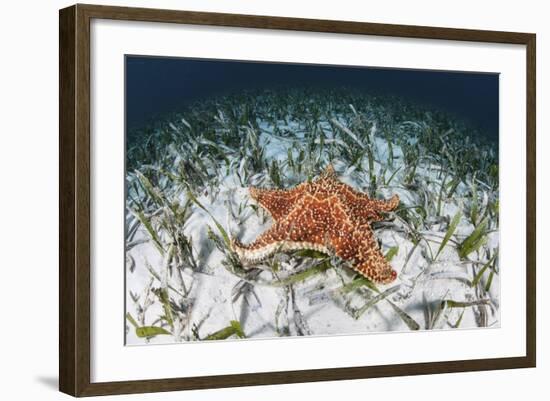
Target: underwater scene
{"points": [[272, 200]]}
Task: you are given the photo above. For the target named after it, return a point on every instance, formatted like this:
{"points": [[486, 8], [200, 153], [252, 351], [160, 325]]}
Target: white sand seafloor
{"points": [[318, 305]]}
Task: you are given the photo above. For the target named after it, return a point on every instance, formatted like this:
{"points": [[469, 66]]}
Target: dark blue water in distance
{"points": [[160, 85]]}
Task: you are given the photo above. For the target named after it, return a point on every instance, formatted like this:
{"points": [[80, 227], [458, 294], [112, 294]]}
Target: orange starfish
{"points": [[325, 215]]}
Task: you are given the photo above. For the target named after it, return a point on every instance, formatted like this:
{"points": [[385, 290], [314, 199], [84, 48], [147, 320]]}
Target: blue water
{"points": [[159, 85]]}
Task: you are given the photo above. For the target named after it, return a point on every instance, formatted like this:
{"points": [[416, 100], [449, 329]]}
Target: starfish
{"points": [[325, 215]]}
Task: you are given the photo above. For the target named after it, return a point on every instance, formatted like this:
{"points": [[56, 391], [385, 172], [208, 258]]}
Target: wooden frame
{"points": [[74, 200]]}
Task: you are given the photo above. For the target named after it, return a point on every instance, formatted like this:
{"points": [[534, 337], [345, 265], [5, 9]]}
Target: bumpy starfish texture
{"points": [[325, 215]]}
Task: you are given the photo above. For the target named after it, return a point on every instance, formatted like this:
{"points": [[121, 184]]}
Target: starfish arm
{"points": [[328, 173], [302, 228], [384, 205], [370, 209], [264, 246], [278, 202], [375, 267], [359, 245], [364, 208]]}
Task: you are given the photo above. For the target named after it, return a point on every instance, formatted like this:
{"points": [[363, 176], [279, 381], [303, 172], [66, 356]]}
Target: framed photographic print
{"points": [[297, 200]]}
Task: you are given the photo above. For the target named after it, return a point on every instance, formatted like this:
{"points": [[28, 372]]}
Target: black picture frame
{"points": [[74, 199]]}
